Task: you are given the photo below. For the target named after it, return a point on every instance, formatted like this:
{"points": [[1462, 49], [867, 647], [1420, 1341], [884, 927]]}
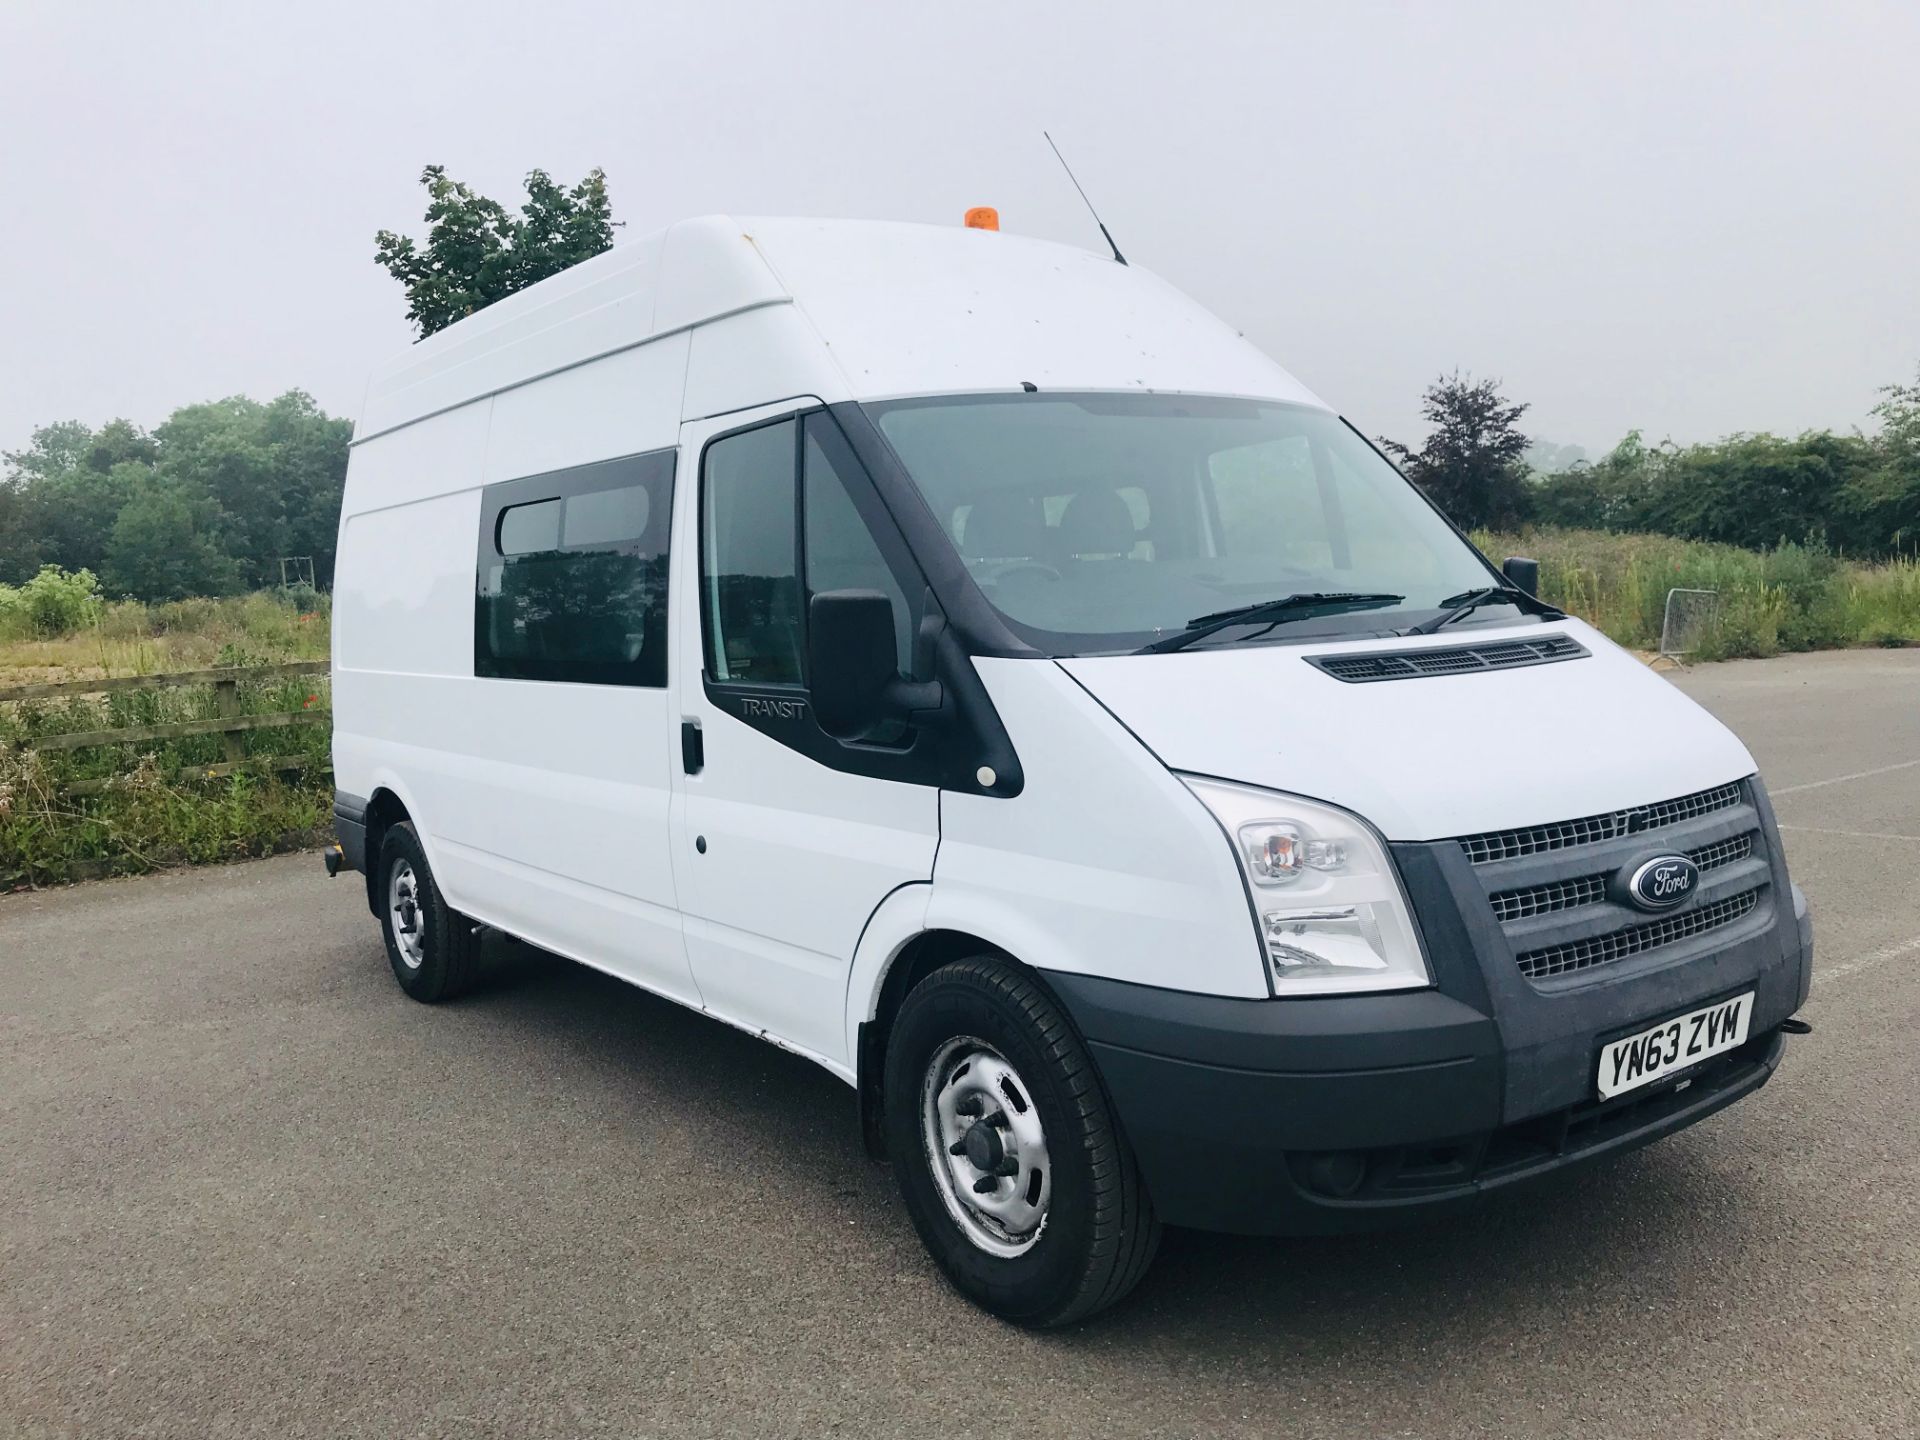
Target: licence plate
{"points": [[1673, 1045]]}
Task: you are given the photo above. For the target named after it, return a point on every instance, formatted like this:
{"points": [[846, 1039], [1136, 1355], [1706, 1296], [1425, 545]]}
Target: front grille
{"points": [[1591, 830], [1604, 949], [1545, 899], [1592, 889], [1723, 852], [1448, 660]]}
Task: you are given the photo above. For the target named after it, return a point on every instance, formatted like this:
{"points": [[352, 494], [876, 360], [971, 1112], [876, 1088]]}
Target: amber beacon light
{"points": [[983, 217]]}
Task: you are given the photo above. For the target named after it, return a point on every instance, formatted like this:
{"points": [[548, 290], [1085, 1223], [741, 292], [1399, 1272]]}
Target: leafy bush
{"points": [[55, 602], [144, 819]]}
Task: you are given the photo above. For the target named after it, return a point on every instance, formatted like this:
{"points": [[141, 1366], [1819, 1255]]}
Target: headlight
{"points": [[1332, 915]]}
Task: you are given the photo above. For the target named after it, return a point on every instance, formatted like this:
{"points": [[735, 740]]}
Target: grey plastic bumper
{"points": [[350, 829], [1230, 1104]]}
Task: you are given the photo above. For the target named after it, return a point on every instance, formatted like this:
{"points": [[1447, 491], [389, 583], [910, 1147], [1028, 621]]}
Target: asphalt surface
{"points": [[247, 1189]]}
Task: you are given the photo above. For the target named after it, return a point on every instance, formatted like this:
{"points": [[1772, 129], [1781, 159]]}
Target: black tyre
{"points": [[1006, 1150], [433, 950]]}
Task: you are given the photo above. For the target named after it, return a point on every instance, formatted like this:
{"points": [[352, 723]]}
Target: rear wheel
{"points": [[1006, 1151], [433, 950]]}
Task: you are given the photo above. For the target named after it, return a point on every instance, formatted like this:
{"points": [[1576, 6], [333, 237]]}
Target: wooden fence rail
{"points": [[233, 675], [229, 724]]}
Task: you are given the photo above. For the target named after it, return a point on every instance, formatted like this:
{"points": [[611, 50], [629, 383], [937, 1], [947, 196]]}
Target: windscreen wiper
{"points": [[1271, 611], [1454, 606]]}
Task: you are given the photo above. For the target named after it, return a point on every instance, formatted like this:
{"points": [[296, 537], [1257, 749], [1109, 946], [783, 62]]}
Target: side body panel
{"points": [[543, 805], [1105, 864]]}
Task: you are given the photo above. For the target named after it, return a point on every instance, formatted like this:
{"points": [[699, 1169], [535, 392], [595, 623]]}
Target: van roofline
{"points": [[885, 308], [565, 366]]}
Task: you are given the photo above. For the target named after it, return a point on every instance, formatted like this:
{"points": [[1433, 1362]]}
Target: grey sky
{"points": [[1691, 218]]}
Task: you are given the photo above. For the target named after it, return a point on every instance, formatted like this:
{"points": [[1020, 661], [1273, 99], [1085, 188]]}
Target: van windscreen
{"points": [[1096, 523]]}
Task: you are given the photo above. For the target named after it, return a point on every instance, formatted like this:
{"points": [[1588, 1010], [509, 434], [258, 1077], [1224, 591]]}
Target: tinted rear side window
{"points": [[527, 529], [572, 576]]}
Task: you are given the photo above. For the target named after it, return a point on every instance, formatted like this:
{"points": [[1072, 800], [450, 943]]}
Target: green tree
{"points": [[478, 252], [1613, 493], [310, 466], [1884, 502], [166, 545], [275, 473], [67, 485], [1471, 463], [53, 450], [19, 534], [257, 482]]}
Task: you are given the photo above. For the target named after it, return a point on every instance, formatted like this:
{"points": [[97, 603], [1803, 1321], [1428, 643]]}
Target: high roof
{"points": [[898, 309]]}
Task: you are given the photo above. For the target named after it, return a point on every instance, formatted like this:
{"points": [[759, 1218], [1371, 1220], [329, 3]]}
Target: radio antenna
{"points": [[1105, 233]]}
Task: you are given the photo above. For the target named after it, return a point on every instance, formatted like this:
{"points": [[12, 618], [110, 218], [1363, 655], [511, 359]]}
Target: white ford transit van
{"points": [[967, 663]]}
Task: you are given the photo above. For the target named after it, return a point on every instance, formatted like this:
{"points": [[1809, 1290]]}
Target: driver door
{"points": [[784, 841]]}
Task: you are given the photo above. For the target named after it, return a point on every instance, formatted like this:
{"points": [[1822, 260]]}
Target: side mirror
{"points": [[1522, 572], [852, 668]]}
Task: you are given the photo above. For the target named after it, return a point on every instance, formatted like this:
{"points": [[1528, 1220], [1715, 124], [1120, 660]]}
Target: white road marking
{"points": [[1824, 973], [1865, 962], [1850, 834], [1842, 779]]}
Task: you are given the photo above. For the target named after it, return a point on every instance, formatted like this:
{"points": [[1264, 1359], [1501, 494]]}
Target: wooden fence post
{"points": [[227, 691]]}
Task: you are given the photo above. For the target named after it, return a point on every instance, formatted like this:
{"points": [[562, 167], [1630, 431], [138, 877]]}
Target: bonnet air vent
{"points": [[1449, 660]]}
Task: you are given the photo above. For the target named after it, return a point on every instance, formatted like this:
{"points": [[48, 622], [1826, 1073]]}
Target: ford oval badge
{"points": [[1663, 882]]}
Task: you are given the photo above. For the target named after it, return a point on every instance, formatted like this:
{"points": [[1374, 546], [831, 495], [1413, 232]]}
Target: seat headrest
{"points": [[1097, 522]]}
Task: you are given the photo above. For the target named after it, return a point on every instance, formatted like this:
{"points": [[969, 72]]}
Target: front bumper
{"points": [[1406, 1089], [1315, 1115]]}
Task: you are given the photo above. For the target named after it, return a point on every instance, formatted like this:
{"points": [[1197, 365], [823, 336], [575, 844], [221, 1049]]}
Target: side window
{"points": [[572, 580], [778, 525], [749, 571], [841, 553], [530, 528]]}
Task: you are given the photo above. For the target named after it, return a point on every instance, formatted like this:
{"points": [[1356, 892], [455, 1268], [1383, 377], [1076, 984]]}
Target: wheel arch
{"points": [[385, 809], [884, 979]]}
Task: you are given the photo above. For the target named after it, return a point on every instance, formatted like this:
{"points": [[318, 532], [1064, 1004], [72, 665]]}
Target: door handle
{"points": [[693, 748]]}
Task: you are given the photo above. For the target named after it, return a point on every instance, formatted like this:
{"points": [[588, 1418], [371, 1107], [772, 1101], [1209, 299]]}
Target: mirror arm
{"points": [[907, 697]]}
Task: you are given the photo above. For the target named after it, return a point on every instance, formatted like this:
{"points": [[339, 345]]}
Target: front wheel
{"points": [[1006, 1151]]}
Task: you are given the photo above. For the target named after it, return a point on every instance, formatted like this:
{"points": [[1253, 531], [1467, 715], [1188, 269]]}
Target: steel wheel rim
{"points": [[403, 909], [995, 1182]]}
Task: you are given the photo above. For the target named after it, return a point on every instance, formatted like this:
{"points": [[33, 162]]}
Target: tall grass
{"points": [[149, 814], [1794, 597], [127, 637]]}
